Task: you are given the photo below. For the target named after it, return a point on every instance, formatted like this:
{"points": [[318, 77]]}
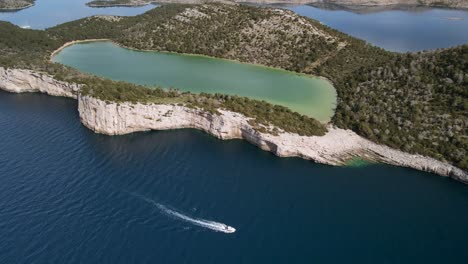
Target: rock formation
{"points": [[335, 148], [20, 81]]}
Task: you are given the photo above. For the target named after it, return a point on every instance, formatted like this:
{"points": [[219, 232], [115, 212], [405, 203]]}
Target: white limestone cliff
{"points": [[334, 148], [21, 81]]}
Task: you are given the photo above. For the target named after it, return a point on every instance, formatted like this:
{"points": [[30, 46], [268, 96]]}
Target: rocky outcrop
{"points": [[20, 81], [335, 148]]}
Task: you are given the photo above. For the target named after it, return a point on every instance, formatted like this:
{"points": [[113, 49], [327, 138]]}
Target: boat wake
{"points": [[215, 226]]}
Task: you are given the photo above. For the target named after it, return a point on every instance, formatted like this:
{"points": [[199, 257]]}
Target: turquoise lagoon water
{"points": [[307, 95]]}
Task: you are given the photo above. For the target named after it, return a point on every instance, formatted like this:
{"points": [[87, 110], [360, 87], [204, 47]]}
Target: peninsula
{"points": [[403, 109]]}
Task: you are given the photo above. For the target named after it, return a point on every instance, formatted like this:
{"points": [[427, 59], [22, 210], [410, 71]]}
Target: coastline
{"points": [[131, 3], [336, 148], [118, 5]]}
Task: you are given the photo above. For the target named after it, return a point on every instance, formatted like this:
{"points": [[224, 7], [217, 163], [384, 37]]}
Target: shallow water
{"points": [[64, 198], [307, 95], [48, 13], [398, 30]]}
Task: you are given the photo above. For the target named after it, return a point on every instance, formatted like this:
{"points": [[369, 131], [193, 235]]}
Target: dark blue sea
{"points": [[68, 195]]}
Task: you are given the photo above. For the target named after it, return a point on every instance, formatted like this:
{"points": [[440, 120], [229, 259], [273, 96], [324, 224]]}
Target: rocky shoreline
{"points": [[335, 148]]}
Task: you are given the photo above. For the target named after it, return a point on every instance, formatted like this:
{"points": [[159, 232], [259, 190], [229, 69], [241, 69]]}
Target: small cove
{"points": [[307, 95]]}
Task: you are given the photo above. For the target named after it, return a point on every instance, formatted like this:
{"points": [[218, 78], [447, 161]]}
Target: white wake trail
{"points": [[215, 226]]}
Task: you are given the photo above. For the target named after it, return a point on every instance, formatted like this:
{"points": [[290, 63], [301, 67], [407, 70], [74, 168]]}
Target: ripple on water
{"points": [[63, 199]]}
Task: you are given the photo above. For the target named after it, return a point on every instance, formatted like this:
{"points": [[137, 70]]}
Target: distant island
{"points": [[12, 5], [353, 4], [404, 109], [110, 3]]}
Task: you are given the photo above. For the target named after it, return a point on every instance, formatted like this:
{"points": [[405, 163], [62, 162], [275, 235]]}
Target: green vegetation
{"points": [[15, 4], [31, 49], [261, 111], [416, 102], [243, 33], [24, 48]]}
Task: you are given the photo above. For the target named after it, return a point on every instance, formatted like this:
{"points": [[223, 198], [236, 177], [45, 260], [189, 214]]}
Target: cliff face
{"points": [[335, 148], [20, 81]]}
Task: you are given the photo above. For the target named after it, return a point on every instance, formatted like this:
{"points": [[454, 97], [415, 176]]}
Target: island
{"points": [[111, 3], [403, 109], [347, 4], [14, 5]]}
